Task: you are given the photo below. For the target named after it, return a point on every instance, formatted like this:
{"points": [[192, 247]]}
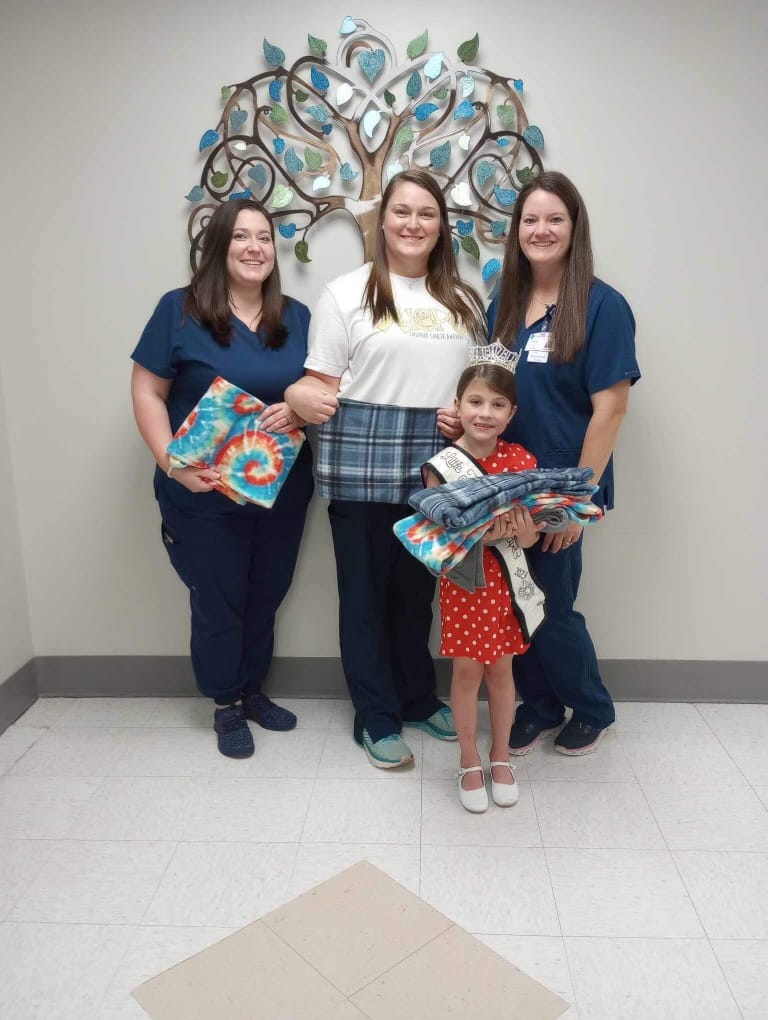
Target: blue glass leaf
{"points": [[433, 66], [326, 129], [498, 228], [504, 196], [455, 246], [258, 174], [534, 137], [503, 142], [195, 195], [413, 85], [484, 172], [517, 84], [275, 89], [241, 194], [463, 110], [347, 173], [490, 269], [348, 26], [238, 119], [319, 113], [279, 144], [209, 138], [440, 155], [424, 110], [371, 63], [274, 54], [292, 161], [319, 80], [287, 229], [465, 227]]}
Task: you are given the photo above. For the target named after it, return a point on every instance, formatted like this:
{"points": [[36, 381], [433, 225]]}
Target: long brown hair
{"points": [[208, 294], [496, 378], [443, 280], [569, 323]]}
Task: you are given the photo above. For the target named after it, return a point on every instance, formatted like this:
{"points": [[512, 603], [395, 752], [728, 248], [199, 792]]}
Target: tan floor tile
{"points": [[344, 1012], [455, 975], [376, 921]]}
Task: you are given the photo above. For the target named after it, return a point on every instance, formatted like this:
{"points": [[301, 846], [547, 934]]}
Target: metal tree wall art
{"points": [[323, 136]]}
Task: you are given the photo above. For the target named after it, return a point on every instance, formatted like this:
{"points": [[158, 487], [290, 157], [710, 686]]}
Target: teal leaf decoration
{"points": [[347, 173], [440, 155], [327, 128], [471, 247], [455, 246], [465, 227], [301, 251], [504, 196], [413, 85], [275, 56], [277, 114], [507, 116], [196, 194], [534, 137], [319, 113], [237, 119], [498, 228], [389, 98], [287, 230], [417, 46], [424, 110], [441, 93], [276, 89], [292, 162], [241, 194], [484, 172], [279, 144], [463, 110], [209, 138], [348, 26], [226, 92], [317, 47], [219, 178], [314, 158], [503, 142], [433, 66], [319, 80], [258, 175], [404, 136], [371, 63], [490, 269], [468, 50], [517, 84]]}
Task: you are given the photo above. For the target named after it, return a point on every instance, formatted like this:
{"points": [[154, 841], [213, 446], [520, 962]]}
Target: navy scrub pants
{"points": [[560, 668], [385, 616], [238, 568]]}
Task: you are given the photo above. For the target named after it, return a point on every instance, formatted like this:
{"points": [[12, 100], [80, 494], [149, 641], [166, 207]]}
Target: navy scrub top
{"points": [[554, 403], [177, 347]]}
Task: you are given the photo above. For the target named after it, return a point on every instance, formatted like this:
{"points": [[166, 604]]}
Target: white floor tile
{"points": [[658, 718], [291, 755], [42, 807], [317, 862], [646, 979], [343, 715], [222, 884], [21, 861], [710, 817], [762, 793], [621, 893], [248, 810], [15, 742], [595, 815], [729, 890], [166, 751], [193, 711], [736, 720], [140, 808], [45, 712], [745, 965], [497, 890], [343, 759], [59, 971], [311, 713], [687, 758], [83, 712], [539, 956], [73, 752], [94, 883], [608, 764], [445, 822], [359, 811], [750, 754]]}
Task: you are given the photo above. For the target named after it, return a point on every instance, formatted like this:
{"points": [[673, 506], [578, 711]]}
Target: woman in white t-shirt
{"points": [[387, 343]]}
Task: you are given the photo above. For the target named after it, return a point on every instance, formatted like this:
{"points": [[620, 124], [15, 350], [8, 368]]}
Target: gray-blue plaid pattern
{"points": [[372, 453]]}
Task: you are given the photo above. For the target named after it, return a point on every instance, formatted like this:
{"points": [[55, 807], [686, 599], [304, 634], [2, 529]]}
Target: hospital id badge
{"points": [[539, 342]]}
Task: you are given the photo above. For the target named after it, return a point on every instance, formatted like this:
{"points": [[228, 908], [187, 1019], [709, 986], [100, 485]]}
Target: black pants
{"points": [[238, 568], [385, 616]]}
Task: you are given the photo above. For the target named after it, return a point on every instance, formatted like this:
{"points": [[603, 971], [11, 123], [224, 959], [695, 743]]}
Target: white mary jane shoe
{"points": [[504, 794], [475, 801]]}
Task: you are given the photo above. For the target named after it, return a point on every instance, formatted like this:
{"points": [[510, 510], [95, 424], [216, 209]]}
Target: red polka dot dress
{"points": [[482, 626]]}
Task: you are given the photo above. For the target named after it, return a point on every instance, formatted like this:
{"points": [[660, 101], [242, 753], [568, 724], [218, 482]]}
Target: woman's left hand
{"points": [[449, 423], [279, 418], [555, 541]]}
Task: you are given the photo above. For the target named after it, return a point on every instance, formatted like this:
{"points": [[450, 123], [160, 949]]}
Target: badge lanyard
{"points": [[540, 343]]}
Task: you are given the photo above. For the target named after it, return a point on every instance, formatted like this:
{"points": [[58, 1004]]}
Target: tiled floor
{"points": [[633, 882]]}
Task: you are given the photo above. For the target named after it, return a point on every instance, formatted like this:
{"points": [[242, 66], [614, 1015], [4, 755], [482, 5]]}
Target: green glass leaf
{"points": [[219, 179], [404, 136], [470, 246], [301, 96], [440, 93], [468, 50], [507, 116], [313, 159], [301, 251], [277, 114], [226, 92], [524, 175], [389, 99], [417, 46], [317, 47]]}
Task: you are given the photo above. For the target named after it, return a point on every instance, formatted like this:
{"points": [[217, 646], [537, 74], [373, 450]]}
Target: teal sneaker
{"points": [[387, 753], [439, 725]]}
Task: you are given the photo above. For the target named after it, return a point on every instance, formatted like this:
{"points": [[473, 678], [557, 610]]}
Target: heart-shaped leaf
{"points": [[371, 63], [348, 26], [517, 84], [281, 196], [301, 96], [507, 116], [525, 174], [195, 195], [441, 93], [287, 230], [465, 227], [313, 158], [292, 162], [347, 173], [275, 56], [319, 113], [504, 196], [467, 85], [498, 228], [277, 114], [321, 183], [461, 195], [417, 46], [301, 251], [258, 174], [484, 172], [464, 110], [317, 47], [279, 144], [440, 155], [534, 137], [219, 178], [468, 50], [237, 119], [471, 247], [226, 92], [490, 269]]}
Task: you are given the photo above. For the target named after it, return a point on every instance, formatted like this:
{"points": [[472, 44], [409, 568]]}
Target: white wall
{"points": [[654, 109]]}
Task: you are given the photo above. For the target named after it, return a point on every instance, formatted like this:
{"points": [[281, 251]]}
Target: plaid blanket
{"points": [[370, 453]]}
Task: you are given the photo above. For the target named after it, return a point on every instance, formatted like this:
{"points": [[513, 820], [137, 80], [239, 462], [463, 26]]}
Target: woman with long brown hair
{"points": [[576, 338], [237, 561], [387, 344]]}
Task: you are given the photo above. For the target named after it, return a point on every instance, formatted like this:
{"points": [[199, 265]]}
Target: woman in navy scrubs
{"points": [[576, 337], [237, 561]]}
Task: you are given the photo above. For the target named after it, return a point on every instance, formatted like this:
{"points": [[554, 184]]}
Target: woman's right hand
{"points": [[196, 479], [311, 399]]}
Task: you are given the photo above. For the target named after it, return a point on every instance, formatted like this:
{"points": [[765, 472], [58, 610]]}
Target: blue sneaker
{"points": [[235, 740], [259, 709], [439, 725], [387, 753]]}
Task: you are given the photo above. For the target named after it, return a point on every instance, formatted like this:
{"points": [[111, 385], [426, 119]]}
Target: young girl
{"points": [[480, 631]]}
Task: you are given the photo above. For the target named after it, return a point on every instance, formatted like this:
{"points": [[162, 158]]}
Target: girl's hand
{"points": [[196, 479], [554, 542], [525, 530], [449, 423], [312, 403], [279, 418]]}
